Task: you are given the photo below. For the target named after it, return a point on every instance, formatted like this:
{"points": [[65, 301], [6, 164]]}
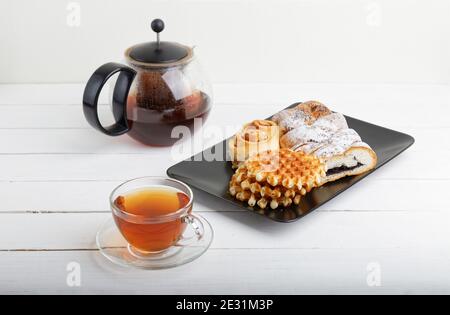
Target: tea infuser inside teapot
{"points": [[162, 86]]}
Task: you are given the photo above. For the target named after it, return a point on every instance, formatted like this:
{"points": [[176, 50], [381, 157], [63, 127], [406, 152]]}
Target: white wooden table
{"points": [[56, 174]]}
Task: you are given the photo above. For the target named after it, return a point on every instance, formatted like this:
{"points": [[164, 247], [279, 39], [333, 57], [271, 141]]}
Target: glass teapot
{"points": [[161, 87]]}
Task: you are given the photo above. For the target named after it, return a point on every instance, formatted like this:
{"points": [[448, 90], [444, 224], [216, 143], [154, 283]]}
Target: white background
{"points": [[240, 41]]}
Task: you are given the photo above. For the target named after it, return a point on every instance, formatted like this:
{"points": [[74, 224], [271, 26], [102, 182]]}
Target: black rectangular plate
{"points": [[213, 177]]}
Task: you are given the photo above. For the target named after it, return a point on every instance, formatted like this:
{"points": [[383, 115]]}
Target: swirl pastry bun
{"points": [[255, 137]]}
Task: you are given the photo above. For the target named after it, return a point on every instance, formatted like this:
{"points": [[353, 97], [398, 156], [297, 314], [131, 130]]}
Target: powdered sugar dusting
{"points": [[325, 137], [340, 142], [334, 121], [305, 134]]}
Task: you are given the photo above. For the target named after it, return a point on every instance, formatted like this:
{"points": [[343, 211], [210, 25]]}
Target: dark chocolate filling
{"points": [[341, 169]]}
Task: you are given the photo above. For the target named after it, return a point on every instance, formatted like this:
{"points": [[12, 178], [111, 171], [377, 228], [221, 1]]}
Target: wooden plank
{"points": [[67, 141], [72, 117], [332, 230], [120, 167], [92, 196], [393, 113], [43, 94], [324, 271], [337, 95], [45, 116]]}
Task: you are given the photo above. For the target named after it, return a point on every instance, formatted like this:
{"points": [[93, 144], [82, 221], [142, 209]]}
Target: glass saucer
{"points": [[116, 249]]}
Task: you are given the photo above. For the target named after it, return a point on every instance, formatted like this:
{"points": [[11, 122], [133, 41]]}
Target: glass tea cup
{"points": [[153, 215]]}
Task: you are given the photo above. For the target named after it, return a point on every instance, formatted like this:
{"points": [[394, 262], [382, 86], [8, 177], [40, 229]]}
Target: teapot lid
{"points": [[158, 53]]}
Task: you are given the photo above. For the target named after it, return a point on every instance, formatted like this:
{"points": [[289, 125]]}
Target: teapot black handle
{"points": [[120, 96]]}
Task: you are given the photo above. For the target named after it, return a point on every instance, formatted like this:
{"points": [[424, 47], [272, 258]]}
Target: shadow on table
{"points": [[241, 216]]}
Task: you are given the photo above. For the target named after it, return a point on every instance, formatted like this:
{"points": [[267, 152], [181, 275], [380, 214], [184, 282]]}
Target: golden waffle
{"points": [[264, 195], [286, 168], [276, 178]]}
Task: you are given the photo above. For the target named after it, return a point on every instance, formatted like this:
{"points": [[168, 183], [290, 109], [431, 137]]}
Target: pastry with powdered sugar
{"points": [[313, 129]]}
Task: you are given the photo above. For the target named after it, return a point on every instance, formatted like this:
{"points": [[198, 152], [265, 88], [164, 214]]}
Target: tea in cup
{"points": [[153, 214]]}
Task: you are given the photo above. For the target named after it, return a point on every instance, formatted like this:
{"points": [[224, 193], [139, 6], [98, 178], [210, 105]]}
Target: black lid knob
{"points": [[158, 52], [158, 25]]}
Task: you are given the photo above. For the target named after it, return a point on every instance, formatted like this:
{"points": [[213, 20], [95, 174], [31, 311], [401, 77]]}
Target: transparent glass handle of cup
{"points": [[197, 227]]}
